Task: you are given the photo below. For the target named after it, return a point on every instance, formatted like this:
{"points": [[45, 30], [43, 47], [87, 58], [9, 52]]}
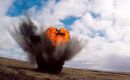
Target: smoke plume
{"points": [[48, 58]]}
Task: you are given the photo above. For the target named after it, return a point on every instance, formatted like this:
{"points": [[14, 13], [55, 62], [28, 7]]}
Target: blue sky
{"points": [[20, 6], [69, 21]]}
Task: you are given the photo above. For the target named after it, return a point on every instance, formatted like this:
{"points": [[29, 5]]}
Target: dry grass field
{"points": [[18, 70]]}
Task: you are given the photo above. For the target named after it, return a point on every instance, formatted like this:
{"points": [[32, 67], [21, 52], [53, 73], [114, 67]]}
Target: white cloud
{"points": [[66, 8], [4, 6], [122, 13], [5, 40], [103, 7], [53, 12]]}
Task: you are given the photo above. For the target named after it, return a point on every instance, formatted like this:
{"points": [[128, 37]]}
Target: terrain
{"points": [[11, 69]]}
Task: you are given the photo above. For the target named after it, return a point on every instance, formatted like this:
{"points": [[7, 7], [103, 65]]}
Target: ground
{"points": [[18, 70]]}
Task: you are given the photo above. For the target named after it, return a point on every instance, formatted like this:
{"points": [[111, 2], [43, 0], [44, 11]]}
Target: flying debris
{"points": [[49, 49]]}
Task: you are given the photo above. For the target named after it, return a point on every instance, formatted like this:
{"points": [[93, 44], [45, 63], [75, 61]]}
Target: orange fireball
{"points": [[56, 36]]}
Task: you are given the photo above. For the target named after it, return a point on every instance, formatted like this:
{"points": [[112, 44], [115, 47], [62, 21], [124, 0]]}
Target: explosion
{"points": [[49, 49], [58, 36]]}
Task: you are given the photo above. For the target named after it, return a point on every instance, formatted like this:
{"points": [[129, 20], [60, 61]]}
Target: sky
{"points": [[103, 24]]}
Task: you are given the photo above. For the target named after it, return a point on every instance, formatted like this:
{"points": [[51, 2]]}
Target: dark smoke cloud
{"points": [[47, 57]]}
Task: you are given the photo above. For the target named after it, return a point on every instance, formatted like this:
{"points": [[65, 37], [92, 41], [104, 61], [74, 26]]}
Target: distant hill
{"points": [[18, 70]]}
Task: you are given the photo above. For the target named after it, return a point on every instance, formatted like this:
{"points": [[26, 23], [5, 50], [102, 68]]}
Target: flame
{"points": [[57, 37]]}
